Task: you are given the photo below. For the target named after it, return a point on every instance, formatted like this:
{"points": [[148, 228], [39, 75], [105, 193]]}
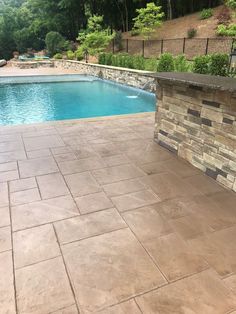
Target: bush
{"points": [[201, 64], [55, 43], [181, 64], [127, 61], [58, 56], [150, 65], [223, 30], [102, 58], [138, 63], [192, 32], [206, 14], [219, 64], [108, 58], [231, 4], [166, 63], [135, 32], [79, 54], [216, 64], [70, 55]]}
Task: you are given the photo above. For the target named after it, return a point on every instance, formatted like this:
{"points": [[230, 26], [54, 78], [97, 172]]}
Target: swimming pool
{"points": [[50, 98]]}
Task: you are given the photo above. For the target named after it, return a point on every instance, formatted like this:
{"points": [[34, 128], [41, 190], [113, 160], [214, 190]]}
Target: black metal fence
{"points": [[190, 47]]}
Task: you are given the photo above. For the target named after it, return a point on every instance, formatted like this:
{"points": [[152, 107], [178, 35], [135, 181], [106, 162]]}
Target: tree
{"points": [[148, 19], [95, 39], [55, 43], [231, 4]]}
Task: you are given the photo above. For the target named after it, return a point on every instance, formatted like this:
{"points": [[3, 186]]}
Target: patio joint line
{"points": [[12, 253], [67, 185], [94, 236], [63, 308], [38, 262], [67, 271]]}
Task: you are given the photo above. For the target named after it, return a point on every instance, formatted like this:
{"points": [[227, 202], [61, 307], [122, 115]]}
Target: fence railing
{"points": [[190, 47]]}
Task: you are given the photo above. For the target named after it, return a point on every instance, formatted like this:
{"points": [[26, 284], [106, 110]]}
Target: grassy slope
{"points": [[177, 28]]}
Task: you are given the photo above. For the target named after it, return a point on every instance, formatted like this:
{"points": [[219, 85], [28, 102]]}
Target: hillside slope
{"points": [[177, 28]]}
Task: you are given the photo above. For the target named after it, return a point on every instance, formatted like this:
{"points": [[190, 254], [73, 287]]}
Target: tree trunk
{"points": [[170, 13], [126, 16]]}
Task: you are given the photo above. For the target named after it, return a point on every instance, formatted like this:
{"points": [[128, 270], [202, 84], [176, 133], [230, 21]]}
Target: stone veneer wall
{"points": [[134, 78], [197, 121]]}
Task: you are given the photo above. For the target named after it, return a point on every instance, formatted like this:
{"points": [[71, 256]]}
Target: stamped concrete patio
{"points": [[97, 218]]}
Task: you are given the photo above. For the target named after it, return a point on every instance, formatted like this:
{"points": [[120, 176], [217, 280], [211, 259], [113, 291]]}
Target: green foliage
{"points": [[219, 64], [151, 64], [148, 19], [223, 30], [201, 64], [166, 63], [58, 56], [127, 61], [181, 64], [95, 23], [97, 42], [95, 39], [25, 23], [70, 55], [231, 4], [206, 14], [192, 32], [79, 54], [215, 64], [55, 42], [135, 32]]}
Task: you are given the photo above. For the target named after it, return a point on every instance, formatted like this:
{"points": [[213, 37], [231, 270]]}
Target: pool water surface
{"points": [[54, 98]]}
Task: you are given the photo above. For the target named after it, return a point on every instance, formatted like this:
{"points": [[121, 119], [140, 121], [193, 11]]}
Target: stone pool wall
{"points": [[196, 119], [134, 78]]}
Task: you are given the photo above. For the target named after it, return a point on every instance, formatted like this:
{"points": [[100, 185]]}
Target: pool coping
{"points": [[92, 119]]}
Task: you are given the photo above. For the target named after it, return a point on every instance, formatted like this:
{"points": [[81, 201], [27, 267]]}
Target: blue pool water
{"points": [[28, 100]]}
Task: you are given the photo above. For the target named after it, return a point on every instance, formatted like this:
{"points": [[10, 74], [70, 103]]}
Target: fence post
{"points": [[113, 45], [184, 41], [127, 45], [143, 47], [162, 45], [207, 45]]}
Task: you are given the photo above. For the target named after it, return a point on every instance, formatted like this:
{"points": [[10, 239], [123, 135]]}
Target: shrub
{"points": [[166, 63], [58, 56], [181, 64], [192, 32], [219, 64], [102, 58], [150, 65], [206, 14], [108, 58], [201, 64], [135, 32], [70, 55], [79, 54], [138, 63], [223, 30], [224, 16], [231, 4], [55, 43]]}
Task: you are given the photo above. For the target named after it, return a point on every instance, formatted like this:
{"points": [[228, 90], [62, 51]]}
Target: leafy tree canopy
{"points": [[25, 23], [148, 19]]}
